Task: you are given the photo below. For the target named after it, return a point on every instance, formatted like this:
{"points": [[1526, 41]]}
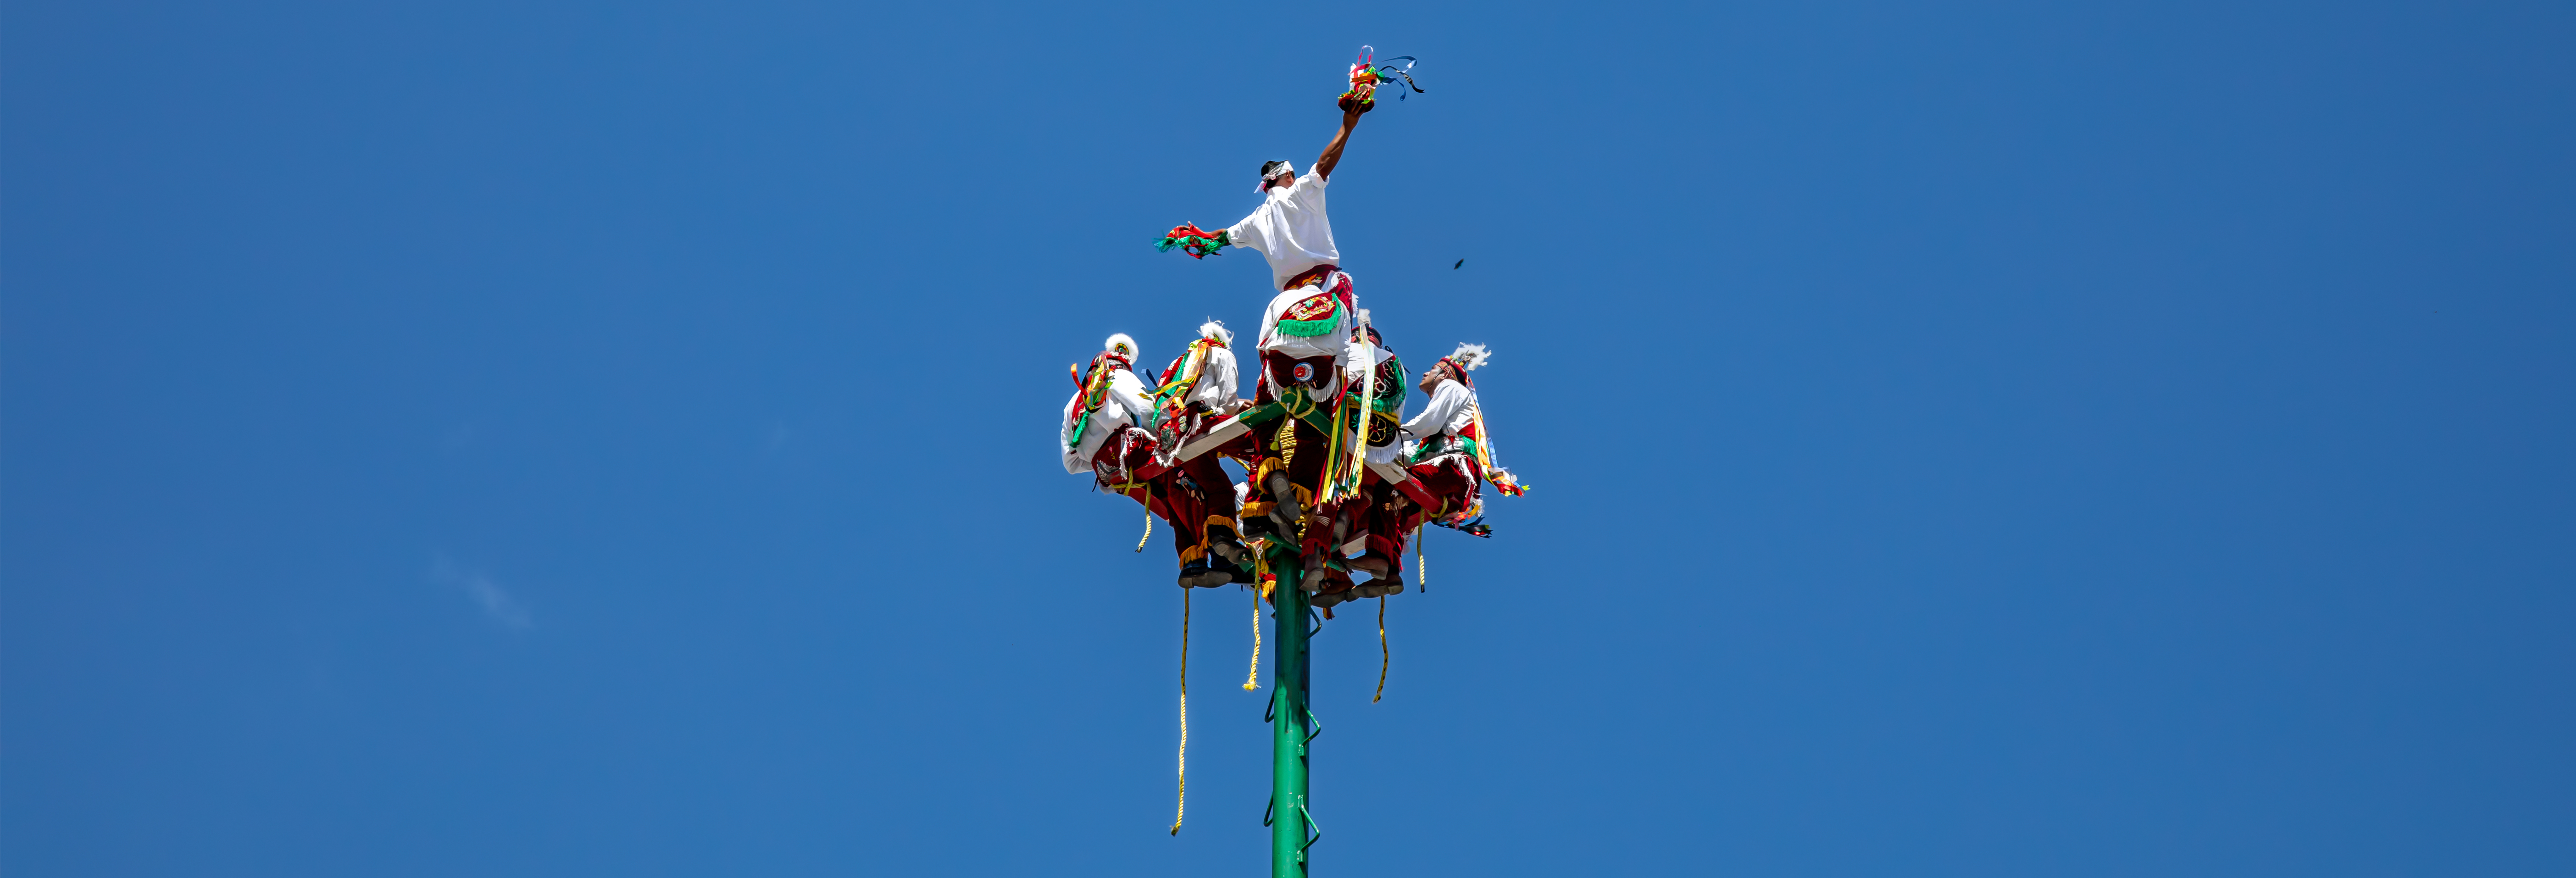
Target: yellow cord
{"points": [[1149, 531], [1182, 806], [1421, 573], [1382, 655], [1252, 678]]}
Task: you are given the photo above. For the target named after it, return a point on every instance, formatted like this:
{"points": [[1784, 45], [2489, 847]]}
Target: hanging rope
{"points": [[1149, 532], [1421, 573], [1382, 655], [1252, 678], [1182, 806]]}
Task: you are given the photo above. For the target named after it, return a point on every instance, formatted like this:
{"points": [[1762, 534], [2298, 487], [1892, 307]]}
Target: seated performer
{"points": [[1451, 452], [1382, 511], [1198, 390], [1102, 433]]}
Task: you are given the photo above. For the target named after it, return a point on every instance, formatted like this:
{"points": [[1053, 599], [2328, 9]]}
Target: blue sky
{"points": [[1992, 439]]}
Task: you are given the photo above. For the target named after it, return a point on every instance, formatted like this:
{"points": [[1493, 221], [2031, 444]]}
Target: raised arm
{"points": [[1333, 151]]}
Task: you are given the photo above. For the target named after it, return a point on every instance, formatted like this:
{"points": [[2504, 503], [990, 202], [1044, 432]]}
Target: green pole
{"points": [[1289, 729]]}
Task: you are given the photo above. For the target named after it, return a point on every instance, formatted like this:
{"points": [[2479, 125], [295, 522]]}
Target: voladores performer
{"points": [[1309, 342]]}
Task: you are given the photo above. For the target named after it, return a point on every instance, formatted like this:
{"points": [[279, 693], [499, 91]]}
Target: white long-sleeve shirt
{"points": [[1127, 404], [1451, 409], [1218, 381], [1289, 229]]}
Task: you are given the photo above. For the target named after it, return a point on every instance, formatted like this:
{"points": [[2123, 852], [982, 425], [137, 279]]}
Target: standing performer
{"points": [[1307, 340], [1102, 433]]}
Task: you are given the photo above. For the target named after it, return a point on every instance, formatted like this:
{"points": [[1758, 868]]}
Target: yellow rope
{"points": [[1421, 573], [1149, 531], [1252, 678], [1382, 655], [1181, 807]]}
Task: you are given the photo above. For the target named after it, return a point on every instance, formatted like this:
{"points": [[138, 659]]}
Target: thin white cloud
{"points": [[495, 601]]}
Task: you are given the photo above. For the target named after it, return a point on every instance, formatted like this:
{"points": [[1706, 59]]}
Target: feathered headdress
{"points": [[1215, 329], [1466, 358], [1121, 345]]}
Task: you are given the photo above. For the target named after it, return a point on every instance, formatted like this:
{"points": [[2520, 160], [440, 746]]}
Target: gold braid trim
{"points": [[1286, 441]]}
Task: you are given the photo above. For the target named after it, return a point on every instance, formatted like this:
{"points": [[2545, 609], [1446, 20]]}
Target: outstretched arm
{"points": [[1333, 151]]}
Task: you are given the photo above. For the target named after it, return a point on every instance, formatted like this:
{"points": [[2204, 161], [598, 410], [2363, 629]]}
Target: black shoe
{"points": [[1235, 575], [1222, 542], [1260, 526], [1197, 574], [1280, 490], [1381, 587]]}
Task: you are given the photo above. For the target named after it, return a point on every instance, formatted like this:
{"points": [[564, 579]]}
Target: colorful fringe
{"points": [[1171, 399], [1366, 74], [1095, 392], [1501, 479], [1199, 243]]}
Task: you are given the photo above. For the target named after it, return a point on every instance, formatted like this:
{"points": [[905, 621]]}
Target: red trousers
{"points": [[1125, 465], [1450, 482]]}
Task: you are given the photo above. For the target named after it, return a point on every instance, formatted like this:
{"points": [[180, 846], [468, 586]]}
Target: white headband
{"points": [[1284, 168]]}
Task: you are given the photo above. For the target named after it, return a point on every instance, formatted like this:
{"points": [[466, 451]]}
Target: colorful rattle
{"points": [[1366, 73]]}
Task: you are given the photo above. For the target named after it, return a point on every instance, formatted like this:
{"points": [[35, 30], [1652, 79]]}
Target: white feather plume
{"points": [[1216, 329], [1470, 356], [1120, 344]]}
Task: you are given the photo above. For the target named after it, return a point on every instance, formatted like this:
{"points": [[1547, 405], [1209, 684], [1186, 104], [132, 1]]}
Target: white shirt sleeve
{"points": [[1129, 392], [1218, 383], [1064, 435], [1107, 420], [1309, 192], [1251, 232], [1448, 401]]}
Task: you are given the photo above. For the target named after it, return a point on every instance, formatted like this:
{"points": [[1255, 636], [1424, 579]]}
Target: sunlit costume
{"points": [[1451, 453], [1196, 391], [1103, 433], [1309, 346]]}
